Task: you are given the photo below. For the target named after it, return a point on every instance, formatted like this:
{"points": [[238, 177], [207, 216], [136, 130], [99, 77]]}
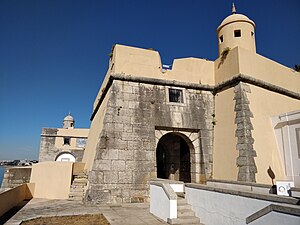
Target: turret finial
{"points": [[233, 8]]}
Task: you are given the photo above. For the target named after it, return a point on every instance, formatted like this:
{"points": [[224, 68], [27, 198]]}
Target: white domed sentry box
{"points": [[68, 122]]}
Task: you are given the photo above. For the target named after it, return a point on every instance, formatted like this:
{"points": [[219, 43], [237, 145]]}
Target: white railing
{"points": [[163, 199]]}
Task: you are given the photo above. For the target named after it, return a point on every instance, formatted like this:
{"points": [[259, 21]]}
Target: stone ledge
{"points": [[240, 183], [272, 198], [212, 88], [70, 135], [160, 180], [295, 211]]}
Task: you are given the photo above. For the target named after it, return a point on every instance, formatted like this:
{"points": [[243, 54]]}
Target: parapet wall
{"points": [[215, 206], [15, 176]]}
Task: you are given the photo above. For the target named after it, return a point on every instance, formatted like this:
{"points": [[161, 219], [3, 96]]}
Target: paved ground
{"points": [[125, 214]]}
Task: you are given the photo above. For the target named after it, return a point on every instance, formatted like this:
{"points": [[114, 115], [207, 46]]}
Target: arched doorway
{"points": [[173, 158], [65, 157]]}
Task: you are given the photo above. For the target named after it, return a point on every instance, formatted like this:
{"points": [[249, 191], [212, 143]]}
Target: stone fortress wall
{"points": [[137, 115]]}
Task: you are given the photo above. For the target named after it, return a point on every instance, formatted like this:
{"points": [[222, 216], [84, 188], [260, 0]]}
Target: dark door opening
{"points": [[173, 158], [185, 163]]}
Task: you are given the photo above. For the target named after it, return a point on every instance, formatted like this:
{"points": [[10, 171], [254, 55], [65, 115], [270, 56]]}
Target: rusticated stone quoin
{"points": [[245, 160]]}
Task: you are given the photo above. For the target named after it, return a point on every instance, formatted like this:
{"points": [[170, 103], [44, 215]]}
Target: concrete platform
{"points": [[131, 214]]}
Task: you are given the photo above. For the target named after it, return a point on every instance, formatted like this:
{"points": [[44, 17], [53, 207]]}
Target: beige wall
{"points": [[78, 168], [136, 61], [242, 61], [192, 70], [265, 69], [227, 67], [52, 179], [95, 130], [14, 196], [147, 63], [246, 41], [73, 134], [264, 105], [225, 153]]}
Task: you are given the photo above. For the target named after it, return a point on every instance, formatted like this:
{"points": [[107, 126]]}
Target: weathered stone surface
{"points": [[127, 142], [113, 154], [245, 161], [111, 177], [102, 165], [118, 165], [48, 152], [125, 155], [14, 177], [125, 177]]}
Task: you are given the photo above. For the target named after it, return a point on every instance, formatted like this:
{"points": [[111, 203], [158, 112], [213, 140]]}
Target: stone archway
{"points": [[65, 157], [200, 166], [173, 157]]}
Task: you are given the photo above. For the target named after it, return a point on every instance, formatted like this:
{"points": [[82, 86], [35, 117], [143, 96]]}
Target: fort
{"points": [[194, 123]]}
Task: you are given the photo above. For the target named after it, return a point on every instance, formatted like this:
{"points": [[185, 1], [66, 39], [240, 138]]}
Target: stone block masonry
{"points": [[125, 158], [245, 160], [48, 150]]}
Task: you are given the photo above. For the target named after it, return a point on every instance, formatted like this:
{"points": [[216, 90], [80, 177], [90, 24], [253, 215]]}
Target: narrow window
{"points": [[221, 38], [66, 141], [175, 95], [237, 33], [252, 34]]}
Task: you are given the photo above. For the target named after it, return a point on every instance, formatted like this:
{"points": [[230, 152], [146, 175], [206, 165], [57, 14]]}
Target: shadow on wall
{"points": [[15, 197], [273, 189]]}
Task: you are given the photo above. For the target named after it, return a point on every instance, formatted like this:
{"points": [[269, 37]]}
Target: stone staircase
{"points": [[78, 187], [185, 214]]}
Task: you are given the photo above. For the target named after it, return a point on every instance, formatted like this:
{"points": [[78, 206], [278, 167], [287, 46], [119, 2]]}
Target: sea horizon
{"points": [[1, 174]]}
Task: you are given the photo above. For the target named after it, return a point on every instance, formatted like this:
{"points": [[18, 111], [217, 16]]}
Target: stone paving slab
{"points": [[121, 214]]}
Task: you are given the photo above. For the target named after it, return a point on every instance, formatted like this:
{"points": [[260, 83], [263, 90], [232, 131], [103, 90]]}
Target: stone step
{"points": [[78, 185], [185, 220], [81, 176], [185, 212], [76, 190], [76, 198], [180, 194], [181, 201], [183, 207], [80, 181], [76, 194]]}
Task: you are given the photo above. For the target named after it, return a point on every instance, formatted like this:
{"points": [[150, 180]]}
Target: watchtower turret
{"points": [[236, 30], [68, 122]]}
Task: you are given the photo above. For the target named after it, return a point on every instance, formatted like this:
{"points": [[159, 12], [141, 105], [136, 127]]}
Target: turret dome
{"points": [[68, 122], [69, 118], [235, 18], [236, 30]]}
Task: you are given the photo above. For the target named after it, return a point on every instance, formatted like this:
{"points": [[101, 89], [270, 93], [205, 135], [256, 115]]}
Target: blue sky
{"points": [[54, 53]]}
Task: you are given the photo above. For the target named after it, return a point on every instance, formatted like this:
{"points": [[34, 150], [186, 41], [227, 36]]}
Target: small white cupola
{"points": [[236, 30], [68, 122]]}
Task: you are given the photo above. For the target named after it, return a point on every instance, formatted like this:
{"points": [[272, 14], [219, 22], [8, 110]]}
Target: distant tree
{"points": [[297, 67]]}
